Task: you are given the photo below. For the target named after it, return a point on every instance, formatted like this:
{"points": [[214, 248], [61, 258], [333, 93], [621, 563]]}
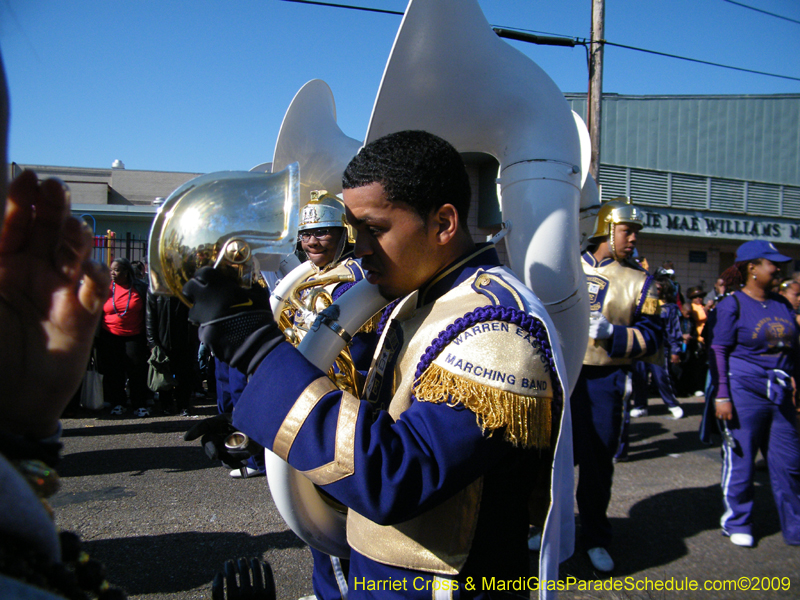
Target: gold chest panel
{"points": [[615, 290]]}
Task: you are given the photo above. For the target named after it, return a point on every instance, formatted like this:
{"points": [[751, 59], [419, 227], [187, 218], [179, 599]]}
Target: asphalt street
{"points": [[163, 518]]}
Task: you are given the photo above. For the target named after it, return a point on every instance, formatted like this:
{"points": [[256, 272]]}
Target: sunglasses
{"points": [[321, 234]]}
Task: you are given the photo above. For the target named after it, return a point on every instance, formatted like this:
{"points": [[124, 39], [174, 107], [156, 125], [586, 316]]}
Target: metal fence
{"points": [[108, 247]]}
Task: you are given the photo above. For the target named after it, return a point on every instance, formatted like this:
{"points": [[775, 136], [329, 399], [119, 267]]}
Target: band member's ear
{"points": [[446, 220]]}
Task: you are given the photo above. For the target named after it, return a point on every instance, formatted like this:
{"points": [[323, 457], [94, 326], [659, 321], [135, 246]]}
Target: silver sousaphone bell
{"points": [[241, 222]]}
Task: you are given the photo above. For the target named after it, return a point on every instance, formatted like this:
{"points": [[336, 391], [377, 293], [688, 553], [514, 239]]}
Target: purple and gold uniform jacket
{"points": [[626, 296], [457, 427]]}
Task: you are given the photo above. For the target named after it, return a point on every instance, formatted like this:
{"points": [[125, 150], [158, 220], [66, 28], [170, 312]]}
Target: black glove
{"points": [[214, 432], [235, 323], [256, 581]]}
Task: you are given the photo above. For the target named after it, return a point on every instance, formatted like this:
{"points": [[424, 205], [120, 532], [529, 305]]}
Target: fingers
{"points": [[94, 291], [73, 248], [219, 424], [209, 275], [22, 194], [195, 432], [52, 211], [36, 216]]}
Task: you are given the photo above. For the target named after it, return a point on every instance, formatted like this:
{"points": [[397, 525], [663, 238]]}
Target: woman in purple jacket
{"points": [[754, 363]]}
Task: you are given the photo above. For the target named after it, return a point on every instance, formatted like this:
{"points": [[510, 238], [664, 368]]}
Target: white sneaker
{"points": [[699, 393], [535, 542], [142, 412], [638, 412], [118, 410], [245, 473], [601, 559], [677, 412], [742, 539]]}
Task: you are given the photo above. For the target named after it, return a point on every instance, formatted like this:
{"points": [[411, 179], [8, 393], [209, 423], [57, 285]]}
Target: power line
{"points": [[703, 62], [763, 11], [364, 8], [556, 39]]}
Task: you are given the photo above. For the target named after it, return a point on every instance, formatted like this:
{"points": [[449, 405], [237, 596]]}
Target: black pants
{"points": [[121, 358], [180, 363]]}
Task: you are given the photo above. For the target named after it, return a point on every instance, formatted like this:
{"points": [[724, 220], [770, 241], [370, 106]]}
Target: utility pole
{"points": [[595, 97]]}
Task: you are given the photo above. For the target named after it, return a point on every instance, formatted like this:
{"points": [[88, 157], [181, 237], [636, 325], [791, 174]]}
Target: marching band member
{"points": [[438, 459], [327, 242], [624, 325], [324, 237]]}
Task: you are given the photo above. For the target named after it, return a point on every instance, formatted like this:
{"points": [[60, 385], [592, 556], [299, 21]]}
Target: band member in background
{"points": [[672, 344], [438, 459], [325, 239], [624, 325]]}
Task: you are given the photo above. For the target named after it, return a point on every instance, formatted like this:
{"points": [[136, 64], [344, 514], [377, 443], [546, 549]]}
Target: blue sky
{"points": [[202, 85]]}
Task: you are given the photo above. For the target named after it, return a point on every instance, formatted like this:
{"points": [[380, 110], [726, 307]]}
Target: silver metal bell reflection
{"points": [[240, 221]]}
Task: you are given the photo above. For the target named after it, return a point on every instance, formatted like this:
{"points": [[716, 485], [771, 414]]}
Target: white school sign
{"points": [[723, 226]]}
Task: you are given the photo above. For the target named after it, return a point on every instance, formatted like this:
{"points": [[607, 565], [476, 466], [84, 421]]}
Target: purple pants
{"points": [[770, 427]]}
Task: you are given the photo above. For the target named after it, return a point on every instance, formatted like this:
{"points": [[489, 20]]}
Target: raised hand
{"points": [[51, 299]]}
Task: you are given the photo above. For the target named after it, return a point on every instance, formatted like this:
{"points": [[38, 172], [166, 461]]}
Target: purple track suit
{"points": [[755, 355]]}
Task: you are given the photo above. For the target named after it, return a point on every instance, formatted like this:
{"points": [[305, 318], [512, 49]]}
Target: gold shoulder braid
{"points": [[371, 325], [651, 305], [499, 369]]}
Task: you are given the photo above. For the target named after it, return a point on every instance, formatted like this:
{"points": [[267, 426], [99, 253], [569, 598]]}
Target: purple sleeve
{"points": [[672, 328], [718, 363], [400, 468], [725, 326], [622, 344], [724, 336]]}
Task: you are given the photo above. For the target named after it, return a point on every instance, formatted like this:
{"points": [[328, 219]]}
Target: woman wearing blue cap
{"points": [[754, 362]]}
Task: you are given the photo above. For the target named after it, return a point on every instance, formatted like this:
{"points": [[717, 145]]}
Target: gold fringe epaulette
{"points": [[371, 325], [651, 307], [527, 420]]}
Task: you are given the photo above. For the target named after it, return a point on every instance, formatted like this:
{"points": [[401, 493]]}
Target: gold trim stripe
{"points": [[299, 413], [629, 345], [343, 463], [640, 339]]}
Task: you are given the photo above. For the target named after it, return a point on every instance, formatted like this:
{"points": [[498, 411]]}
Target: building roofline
{"points": [[95, 171], [116, 210], [614, 96]]}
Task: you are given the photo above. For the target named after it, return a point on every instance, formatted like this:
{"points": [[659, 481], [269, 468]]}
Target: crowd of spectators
{"points": [[135, 325], [688, 367]]}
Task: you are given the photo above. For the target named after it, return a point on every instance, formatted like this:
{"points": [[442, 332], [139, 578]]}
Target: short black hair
{"points": [[415, 167], [126, 267], [667, 291]]}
